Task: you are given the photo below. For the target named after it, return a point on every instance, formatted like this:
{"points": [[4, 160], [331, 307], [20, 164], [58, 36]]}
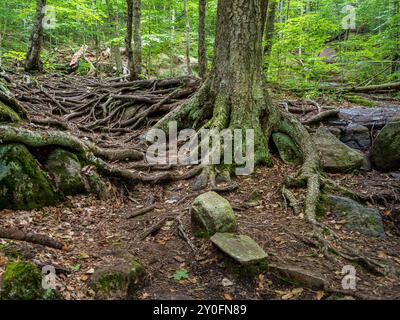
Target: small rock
{"points": [[226, 282], [358, 217], [241, 248], [213, 213]]}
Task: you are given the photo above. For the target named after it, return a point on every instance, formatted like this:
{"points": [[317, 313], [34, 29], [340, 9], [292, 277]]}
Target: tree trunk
{"points": [[235, 96], [269, 33], [137, 39], [128, 38], [32, 61], [202, 39], [188, 64]]}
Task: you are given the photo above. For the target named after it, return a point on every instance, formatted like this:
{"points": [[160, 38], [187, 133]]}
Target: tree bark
{"points": [[32, 61], [128, 38], [202, 39], [137, 39], [269, 33], [188, 64], [235, 96]]}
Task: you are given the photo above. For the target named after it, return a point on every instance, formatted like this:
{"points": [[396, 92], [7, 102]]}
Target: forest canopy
{"points": [[310, 45]]}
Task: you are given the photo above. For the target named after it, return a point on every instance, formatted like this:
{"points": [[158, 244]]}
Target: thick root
{"points": [[84, 149]]}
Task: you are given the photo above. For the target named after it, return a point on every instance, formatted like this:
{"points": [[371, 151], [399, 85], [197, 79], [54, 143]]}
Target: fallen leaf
{"points": [[227, 296], [320, 295]]}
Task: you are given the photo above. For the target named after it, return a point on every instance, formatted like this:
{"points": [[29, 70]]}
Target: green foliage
{"points": [[181, 274], [304, 31]]}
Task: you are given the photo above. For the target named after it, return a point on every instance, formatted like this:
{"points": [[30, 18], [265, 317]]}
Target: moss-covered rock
{"points": [[23, 185], [212, 213], [120, 281], [288, 150], [7, 114], [65, 169], [23, 281], [358, 218], [385, 153], [336, 157]]}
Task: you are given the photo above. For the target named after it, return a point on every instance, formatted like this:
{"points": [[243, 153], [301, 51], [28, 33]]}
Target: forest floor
{"points": [[97, 231]]}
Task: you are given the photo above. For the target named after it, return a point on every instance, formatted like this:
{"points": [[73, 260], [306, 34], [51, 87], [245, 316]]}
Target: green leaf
{"points": [[76, 267], [181, 274]]}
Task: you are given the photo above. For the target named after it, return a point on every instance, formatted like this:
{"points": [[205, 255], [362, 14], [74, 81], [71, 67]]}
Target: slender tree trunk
{"points": [[202, 39], [137, 38], [188, 64], [396, 27], [32, 61], [269, 33], [128, 38]]}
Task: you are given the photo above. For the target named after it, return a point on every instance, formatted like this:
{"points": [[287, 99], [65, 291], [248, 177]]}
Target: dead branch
{"points": [[15, 234]]}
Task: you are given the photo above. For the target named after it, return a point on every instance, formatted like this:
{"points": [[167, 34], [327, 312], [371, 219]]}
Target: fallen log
{"points": [[372, 118], [15, 234]]}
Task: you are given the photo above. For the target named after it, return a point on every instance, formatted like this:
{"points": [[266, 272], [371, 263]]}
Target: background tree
{"points": [[187, 22], [202, 39], [137, 38], [32, 61]]}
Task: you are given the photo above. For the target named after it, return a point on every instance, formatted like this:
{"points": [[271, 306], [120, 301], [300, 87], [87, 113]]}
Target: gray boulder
{"points": [[213, 213], [336, 157], [357, 137], [385, 153], [358, 217]]}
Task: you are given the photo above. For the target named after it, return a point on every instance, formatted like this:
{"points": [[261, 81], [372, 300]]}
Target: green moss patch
{"points": [[7, 114], [23, 184]]}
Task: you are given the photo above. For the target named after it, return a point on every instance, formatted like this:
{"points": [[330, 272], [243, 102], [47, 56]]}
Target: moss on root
{"points": [[361, 101], [8, 115]]}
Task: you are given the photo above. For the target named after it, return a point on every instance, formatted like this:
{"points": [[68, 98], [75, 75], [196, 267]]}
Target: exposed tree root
{"points": [[91, 154]]}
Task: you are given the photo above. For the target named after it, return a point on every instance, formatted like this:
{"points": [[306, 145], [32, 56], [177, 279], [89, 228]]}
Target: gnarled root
{"points": [[91, 154]]}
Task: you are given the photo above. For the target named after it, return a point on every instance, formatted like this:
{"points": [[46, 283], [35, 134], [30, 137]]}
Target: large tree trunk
{"points": [[235, 96], [202, 39], [32, 61]]}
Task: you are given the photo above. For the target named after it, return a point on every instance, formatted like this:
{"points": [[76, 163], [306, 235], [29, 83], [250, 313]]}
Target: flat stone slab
{"points": [[241, 248]]}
